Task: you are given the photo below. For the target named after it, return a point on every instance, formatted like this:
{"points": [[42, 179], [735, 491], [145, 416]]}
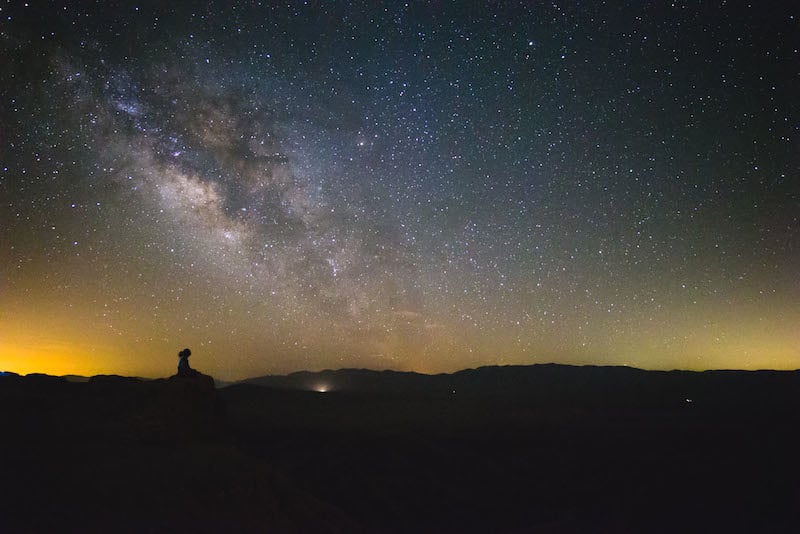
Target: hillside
{"points": [[117, 454], [543, 448]]}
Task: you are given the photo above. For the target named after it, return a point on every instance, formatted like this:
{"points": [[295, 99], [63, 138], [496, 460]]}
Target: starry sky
{"points": [[423, 186]]}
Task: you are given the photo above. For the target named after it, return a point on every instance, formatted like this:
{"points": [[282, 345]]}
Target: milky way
{"points": [[410, 186]]}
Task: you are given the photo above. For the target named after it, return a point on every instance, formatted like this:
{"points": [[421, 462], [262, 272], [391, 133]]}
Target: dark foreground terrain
{"points": [[510, 449]]}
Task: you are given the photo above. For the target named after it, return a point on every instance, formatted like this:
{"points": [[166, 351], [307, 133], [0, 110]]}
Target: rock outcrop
{"points": [[119, 454]]}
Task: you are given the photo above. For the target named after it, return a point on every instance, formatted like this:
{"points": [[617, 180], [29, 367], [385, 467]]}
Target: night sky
{"points": [[425, 186]]}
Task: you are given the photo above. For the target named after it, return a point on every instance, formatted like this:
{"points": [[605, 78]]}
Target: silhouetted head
{"points": [[185, 353]]}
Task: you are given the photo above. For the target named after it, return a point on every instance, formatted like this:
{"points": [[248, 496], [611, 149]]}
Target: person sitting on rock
{"points": [[183, 364]]}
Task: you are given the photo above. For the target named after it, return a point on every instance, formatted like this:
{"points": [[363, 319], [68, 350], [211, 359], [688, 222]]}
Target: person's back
{"points": [[183, 363]]}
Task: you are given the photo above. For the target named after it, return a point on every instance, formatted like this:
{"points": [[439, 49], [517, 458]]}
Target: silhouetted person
{"points": [[183, 364]]}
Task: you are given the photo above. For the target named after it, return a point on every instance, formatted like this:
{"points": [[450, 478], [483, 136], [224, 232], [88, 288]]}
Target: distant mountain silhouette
{"points": [[76, 378], [617, 385]]}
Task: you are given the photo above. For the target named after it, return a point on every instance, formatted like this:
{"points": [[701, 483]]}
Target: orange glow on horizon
{"points": [[56, 342]]}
